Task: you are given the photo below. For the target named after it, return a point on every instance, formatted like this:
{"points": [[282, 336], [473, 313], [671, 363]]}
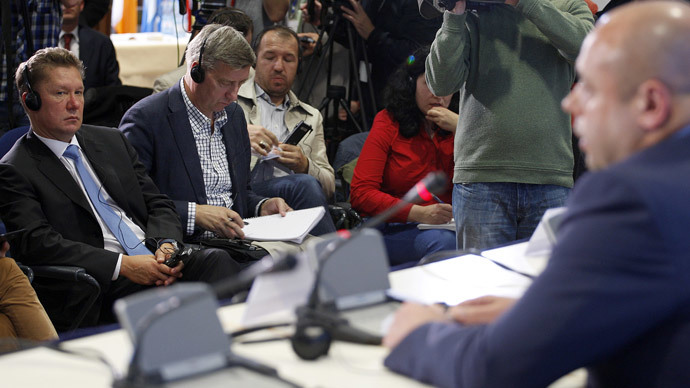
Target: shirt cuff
{"points": [[191, 217], [116, 274], [258, 207]]}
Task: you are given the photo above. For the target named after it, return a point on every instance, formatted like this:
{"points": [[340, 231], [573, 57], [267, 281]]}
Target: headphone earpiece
{"points": [[197, 72], [32, 99], [311, 341]]}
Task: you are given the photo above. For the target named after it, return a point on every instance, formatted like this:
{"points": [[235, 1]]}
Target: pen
{"points": [[231, 220], [436, 198]]}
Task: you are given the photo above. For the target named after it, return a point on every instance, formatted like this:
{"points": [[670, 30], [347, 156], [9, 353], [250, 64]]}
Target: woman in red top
{"points": [[403, 146]]}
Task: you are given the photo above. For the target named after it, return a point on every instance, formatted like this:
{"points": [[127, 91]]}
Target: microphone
{"points": [[433, 183], [168, 304], [243, 279], [317, 325]]}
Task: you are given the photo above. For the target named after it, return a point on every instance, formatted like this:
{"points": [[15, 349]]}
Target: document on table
{"points": [[293, 227], [450, 225]]}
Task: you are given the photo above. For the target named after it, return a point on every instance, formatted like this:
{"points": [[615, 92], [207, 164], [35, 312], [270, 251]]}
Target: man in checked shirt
{"points": [[193, 139]]}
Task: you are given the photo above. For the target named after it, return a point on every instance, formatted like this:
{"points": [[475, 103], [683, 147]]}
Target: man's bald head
{"points": [[648, 39], [634, 88]]}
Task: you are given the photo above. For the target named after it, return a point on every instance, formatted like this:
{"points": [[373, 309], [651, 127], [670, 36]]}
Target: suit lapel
{"points": [[53, 169], [230, 146], [178, 122]]}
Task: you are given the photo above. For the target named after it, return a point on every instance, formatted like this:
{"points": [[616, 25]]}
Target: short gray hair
{"points": [[221, 44]]}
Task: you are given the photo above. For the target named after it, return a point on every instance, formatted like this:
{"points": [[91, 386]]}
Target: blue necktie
{"points": [[117, 226]]}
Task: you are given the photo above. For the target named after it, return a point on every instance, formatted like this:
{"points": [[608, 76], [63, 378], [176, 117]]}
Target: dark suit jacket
{"points": [[614, 296], [98, 54], [158, 127], [38, 194]]}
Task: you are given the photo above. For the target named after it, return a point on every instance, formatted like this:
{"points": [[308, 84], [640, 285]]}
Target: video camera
{"points": [[430, 9]]}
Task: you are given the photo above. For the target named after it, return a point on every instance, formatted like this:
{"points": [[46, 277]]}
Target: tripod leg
{"points": [[350, 114], [353, 60]]}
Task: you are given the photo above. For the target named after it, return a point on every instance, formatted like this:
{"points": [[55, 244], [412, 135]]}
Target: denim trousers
{"points": [[405, 243], [496, 213]]}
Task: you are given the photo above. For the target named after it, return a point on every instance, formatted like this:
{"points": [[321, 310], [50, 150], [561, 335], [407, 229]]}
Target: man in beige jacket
{"points": [[301, 173]]}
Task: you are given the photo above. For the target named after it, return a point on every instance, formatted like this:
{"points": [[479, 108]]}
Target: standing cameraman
{"points": [[513, 64], [391, 29]]}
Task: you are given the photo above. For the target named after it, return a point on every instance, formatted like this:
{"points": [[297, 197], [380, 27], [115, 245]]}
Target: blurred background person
{"points": [[225, 16], [403, 146], [94, 49]]}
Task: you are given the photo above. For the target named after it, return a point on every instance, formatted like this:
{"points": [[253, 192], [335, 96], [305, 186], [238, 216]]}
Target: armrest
{"points": [[27, 271]]}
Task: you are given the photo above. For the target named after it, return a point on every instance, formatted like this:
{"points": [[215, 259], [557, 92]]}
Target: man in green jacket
{"points": [[513, 64]]}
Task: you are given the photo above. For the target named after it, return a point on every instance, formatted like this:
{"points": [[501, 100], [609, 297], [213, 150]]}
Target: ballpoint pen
{"points": [[436, 198]]}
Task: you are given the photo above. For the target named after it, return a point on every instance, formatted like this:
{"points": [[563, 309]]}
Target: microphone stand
{"points": [[136, 378], [319, 324]]}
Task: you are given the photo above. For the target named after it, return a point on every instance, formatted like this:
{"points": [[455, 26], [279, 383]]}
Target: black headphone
{"points": [[257, 42], [197, 72], [316, 329], [32, 99]]}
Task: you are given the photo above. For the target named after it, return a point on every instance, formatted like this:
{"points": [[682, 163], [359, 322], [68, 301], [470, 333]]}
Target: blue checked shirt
{"points": [[46, 18], [213, 156]]}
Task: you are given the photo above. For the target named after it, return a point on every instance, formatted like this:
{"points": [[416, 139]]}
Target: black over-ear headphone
{"points": [[33, 99], [197, 72]]}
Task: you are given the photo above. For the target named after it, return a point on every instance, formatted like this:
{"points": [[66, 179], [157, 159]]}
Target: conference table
{"points": [[346, 365], [143, 57]]}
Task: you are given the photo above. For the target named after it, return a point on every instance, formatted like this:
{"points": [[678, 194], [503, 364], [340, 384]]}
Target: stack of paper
{"points": [[450, 225], [293, 227]]}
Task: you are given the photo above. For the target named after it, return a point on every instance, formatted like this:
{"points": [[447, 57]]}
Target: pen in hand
{"points": [[436, 198]]}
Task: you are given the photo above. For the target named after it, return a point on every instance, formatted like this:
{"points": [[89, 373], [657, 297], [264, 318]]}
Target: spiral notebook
{"points": [[293, 227]]}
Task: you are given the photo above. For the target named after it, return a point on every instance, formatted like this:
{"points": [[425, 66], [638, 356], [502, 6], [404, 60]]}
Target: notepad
{"points": [[450, 225], [293, 227]]}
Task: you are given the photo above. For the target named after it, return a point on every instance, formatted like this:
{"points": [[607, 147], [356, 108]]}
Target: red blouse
{"points": [[390, 164]]}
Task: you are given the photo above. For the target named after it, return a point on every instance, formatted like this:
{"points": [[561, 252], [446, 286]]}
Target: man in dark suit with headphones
{"points": [[84, 199], [301, 174], [193, 139]]}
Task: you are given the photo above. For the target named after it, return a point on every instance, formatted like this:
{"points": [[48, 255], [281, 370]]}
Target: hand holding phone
{"points": [[301, 130]]}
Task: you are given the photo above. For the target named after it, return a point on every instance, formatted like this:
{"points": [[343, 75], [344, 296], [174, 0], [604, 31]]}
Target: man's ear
{"points": [[653, 104]]}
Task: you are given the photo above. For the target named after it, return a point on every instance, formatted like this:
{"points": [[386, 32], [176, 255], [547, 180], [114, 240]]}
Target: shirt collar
{"points": [[74, 32], [260, 93], [198, 119], [56, 146]]}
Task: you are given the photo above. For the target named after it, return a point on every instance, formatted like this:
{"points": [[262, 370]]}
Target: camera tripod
{"points": [[332, 18]]}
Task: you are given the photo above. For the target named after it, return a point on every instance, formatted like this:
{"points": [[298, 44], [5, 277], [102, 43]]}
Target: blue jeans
{"points": [[491, 214], [300, 191], [405, 243]]}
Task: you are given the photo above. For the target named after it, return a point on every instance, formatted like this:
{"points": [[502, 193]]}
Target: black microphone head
{"points": [[284, 263], [435, 182], [432, 184]]}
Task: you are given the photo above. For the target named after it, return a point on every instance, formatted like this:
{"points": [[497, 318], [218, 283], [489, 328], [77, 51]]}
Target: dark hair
{"points": [[282, 31], [234, 18], [399, 95]]}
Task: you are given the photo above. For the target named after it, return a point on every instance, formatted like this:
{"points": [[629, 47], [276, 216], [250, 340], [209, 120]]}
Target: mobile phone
{"points": [[306, 39], [301, 130], [11, 235]]}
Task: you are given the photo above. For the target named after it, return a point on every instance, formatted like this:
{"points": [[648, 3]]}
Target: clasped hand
{"points": [[149, 269]]}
